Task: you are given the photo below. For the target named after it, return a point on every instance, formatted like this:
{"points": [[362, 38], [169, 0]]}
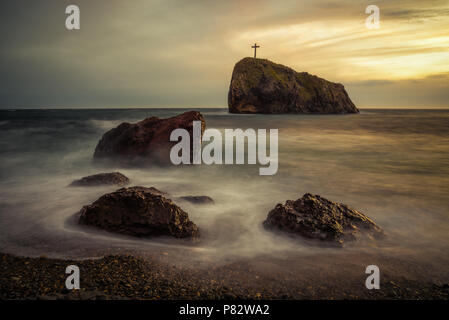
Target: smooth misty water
{"points": [[393, 165]]}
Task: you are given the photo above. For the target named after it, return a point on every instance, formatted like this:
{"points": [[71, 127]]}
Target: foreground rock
{"points": [[139, 211], [145, 142], [198, 199], [262, 86], [112, 178], [317, 218]]}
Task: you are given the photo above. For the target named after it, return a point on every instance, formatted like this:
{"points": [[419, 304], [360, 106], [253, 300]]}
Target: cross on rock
{"points": [[255, 46]]}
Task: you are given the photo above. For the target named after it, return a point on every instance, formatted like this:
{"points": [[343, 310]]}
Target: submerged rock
{"points": [[198, 199], [317, 218], [147, 141], [112, 178], [139, 211], [262, 86]]}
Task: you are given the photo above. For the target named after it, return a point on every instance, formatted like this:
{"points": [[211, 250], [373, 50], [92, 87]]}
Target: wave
{"points": [[104, 124]]}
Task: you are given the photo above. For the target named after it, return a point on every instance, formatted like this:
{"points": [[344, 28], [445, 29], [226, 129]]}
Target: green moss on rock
{"points": [[262, 86]]}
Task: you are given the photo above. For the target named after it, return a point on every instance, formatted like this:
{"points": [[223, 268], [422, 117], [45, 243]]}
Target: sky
{"points": [[181, 53]]}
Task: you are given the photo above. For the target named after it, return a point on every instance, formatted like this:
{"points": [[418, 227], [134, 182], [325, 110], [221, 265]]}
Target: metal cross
{"points": [[255, 46]]}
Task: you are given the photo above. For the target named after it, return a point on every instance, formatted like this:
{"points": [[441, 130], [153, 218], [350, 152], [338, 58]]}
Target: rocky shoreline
{"points": [[183, 274], [150, 278]]}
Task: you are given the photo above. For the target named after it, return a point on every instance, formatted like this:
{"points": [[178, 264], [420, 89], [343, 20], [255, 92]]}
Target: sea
{"points": [[390, 164]]}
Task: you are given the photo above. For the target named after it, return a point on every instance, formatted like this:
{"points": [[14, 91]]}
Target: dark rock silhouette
{"points": [[198, 199], [112, 178], [140, 212], [262, 86], [317, 218], [145, 142]]}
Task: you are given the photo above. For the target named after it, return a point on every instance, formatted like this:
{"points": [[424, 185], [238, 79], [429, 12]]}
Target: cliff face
{"points": [[262, 86]]}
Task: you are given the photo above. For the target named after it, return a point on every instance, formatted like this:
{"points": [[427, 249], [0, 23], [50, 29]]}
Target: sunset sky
{"points": [[178, 53]]}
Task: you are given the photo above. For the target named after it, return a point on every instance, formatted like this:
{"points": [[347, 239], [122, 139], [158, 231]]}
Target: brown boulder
{"points": [[140, 212], [147, 141], [314, 217], [112, 178]]}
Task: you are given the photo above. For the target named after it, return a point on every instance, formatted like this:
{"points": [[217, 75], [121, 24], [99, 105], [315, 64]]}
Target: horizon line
{"points": [[205, 107]]}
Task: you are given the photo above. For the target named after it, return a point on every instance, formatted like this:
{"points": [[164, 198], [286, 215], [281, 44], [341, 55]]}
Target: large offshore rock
{"points": [[262, 86], [140, 212], [317, 218], [145, 142]]}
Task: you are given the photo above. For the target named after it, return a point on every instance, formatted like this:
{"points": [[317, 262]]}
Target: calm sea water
{"points": [[393, 165]]}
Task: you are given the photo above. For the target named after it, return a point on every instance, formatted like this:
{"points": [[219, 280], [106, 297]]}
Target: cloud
{"points": [[429, 92], [181, 53], [416, 14], [370, 83]]}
